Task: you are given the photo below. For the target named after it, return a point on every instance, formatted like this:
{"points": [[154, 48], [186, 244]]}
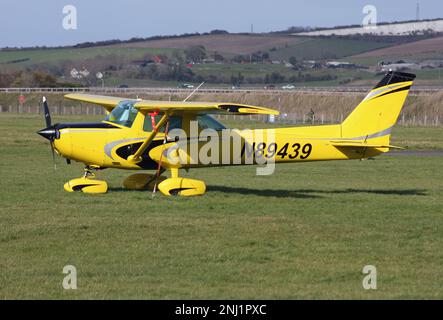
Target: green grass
{"points": [[418, 138], [416, 57], [327, 48], [37, 56], [304, 232]]}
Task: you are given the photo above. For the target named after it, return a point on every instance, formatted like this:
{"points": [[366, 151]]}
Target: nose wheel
{"points": [[87, 183]]}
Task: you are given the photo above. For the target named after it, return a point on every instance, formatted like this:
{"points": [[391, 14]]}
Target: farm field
{"points": [[418, 47], [283, 47], [365, 52], [12, 58], [304, 232]]}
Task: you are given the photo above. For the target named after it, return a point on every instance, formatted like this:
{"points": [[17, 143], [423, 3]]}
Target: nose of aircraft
{"points": [[49, 133]]}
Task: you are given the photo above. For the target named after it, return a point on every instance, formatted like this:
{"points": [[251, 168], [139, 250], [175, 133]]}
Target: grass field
{"points": [[304, 232], [52, 56], [229, 45]]}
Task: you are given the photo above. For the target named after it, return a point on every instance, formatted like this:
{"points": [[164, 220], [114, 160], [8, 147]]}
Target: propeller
{"points": [[50, 131], [47, 113]]}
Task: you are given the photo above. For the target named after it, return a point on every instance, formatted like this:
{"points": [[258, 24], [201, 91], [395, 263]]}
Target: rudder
{"points": [[375, 116]]}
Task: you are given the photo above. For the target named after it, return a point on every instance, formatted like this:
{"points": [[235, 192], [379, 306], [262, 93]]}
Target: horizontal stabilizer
{"points": [[361, 144]]}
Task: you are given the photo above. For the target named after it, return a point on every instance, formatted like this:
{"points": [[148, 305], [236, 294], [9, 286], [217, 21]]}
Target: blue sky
{"points": [[30, 23]]}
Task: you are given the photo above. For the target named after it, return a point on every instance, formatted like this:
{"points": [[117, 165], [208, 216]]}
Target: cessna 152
{"points": [[135, 135]]}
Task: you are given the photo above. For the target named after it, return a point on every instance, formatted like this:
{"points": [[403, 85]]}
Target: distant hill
{"points": [[384, 29], [228, 43], [413, 48], [246, 59]]}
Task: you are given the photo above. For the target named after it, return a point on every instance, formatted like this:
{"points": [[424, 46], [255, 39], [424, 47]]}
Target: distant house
{"points": [[157, 59], [400, 66], [312, 64], [431, 64], [208, 60], [340, 65], [143, 63]]}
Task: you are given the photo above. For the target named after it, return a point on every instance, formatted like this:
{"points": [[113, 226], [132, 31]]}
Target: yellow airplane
{"points": [[137, 135]]}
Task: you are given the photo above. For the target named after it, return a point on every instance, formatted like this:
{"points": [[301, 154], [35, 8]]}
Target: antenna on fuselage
{"points": [[195, 90]]}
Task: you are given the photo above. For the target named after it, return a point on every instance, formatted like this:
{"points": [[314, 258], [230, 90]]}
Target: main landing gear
{"points": [[174, 186], [87, 183]]}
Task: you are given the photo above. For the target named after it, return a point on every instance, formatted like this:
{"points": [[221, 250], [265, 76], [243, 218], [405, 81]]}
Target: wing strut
{"points": [[136, 157], [160, 162]]}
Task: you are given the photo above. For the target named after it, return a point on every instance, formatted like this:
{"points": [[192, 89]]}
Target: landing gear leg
{"points": [[87, 183], [89, 174]]}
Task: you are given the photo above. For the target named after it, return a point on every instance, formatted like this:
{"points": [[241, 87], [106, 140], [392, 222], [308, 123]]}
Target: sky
{"points": [[31, 23]]}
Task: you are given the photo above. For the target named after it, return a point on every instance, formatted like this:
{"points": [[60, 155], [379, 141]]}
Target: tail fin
{"points": [[375, 116]]}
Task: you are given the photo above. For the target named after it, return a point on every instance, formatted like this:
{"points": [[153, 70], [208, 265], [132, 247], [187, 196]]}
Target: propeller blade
{"points": [[53, 156], [47, 113], [50, 137]]}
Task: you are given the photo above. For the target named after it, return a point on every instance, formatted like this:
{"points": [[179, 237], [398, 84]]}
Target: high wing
{"points": [[108, 103], [203, 107], [150, 105]]}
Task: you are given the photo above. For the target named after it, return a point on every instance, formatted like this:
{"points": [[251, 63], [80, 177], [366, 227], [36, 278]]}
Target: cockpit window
{"points": [[207, 122], [175, 122], [123, 114]]}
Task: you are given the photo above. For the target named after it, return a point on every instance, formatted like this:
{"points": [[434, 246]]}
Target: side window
{"points": [[207, 122], [175, 122], [123, 114]]}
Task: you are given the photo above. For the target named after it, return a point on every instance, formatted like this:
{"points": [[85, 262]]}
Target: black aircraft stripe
{"points": [[92, 125], [393, 77], [394, 91]]}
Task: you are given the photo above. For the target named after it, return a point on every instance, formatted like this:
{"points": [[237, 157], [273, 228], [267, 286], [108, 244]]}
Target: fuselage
{"points": [[108, 145]]}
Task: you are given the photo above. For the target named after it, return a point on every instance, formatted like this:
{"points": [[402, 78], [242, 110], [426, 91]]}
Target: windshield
{"points": [[123, 114]]}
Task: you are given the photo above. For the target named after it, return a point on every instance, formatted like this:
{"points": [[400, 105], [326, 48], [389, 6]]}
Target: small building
{"points": [[157, 59], [340, 65], [208, 60], [400, 66]]}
